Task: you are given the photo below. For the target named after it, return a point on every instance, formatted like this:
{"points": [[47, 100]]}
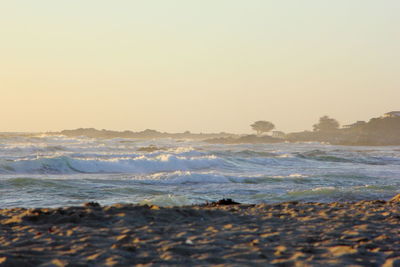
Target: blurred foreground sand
{"points": [[365, 233]]}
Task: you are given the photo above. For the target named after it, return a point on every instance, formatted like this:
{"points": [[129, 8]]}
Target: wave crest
{"points": [[139, 164]]}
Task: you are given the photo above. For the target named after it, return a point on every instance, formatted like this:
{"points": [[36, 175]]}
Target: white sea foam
{"points": [[297, 175], [167, 200], [183, 177], [57, 170], [140, 164]]}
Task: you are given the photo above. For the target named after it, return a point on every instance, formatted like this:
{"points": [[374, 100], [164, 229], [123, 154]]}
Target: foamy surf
{"points": [[56, 171], [139, 164]]}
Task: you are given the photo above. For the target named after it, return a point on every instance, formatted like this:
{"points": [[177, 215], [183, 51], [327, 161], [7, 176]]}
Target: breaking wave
{"points": [[340, 157], [139, 164], [56, 170]]}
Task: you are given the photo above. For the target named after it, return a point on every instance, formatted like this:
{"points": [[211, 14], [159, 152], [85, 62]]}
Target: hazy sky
{"points": [[209, 65]]}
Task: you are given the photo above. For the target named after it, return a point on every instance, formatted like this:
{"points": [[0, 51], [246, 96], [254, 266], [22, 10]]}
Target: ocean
{"points": [[53, 171]]}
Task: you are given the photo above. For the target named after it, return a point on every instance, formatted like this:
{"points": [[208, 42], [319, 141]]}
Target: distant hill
{"points": [[382, 131], [247, 139], [146, 134]]}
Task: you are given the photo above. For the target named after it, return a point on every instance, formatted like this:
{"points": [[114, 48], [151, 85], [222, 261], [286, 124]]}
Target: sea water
{"points": [[52, 171]]}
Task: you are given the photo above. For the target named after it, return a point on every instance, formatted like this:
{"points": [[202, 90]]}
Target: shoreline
{"points": [[363, 233]]}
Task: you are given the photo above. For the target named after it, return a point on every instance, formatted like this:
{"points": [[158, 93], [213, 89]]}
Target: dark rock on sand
{"points": [[223, 201], [92, 204]]}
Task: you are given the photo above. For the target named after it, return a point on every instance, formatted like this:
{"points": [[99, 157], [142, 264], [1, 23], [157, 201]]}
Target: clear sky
{"points": [[209, 65]]}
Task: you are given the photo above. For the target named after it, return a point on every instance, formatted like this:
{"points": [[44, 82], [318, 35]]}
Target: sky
{"points": [[203, 66]]}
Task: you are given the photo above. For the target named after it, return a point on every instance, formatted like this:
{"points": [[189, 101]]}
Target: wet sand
{"points": [[365, 233]]}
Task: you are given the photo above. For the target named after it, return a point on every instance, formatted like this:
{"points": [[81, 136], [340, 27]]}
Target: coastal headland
{"points": [[381, 131], [364, 233]]}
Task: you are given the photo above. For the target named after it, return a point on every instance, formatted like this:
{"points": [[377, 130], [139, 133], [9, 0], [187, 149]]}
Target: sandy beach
{"points": [[364, 233]]}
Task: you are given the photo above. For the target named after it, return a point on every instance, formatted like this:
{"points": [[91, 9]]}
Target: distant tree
{"points": [[262, 126], [326, 124]]}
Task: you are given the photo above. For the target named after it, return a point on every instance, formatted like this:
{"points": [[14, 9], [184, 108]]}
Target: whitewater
{"points": [[52, 171]]}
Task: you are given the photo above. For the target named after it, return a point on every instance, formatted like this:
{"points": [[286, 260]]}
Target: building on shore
{"points": [[392, 114], [278, 134]]}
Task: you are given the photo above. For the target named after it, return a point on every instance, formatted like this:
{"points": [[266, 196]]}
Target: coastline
{"points": [[283, 234]]}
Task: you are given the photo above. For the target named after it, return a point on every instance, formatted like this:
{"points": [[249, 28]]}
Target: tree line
{"points": [[325, 124]]}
